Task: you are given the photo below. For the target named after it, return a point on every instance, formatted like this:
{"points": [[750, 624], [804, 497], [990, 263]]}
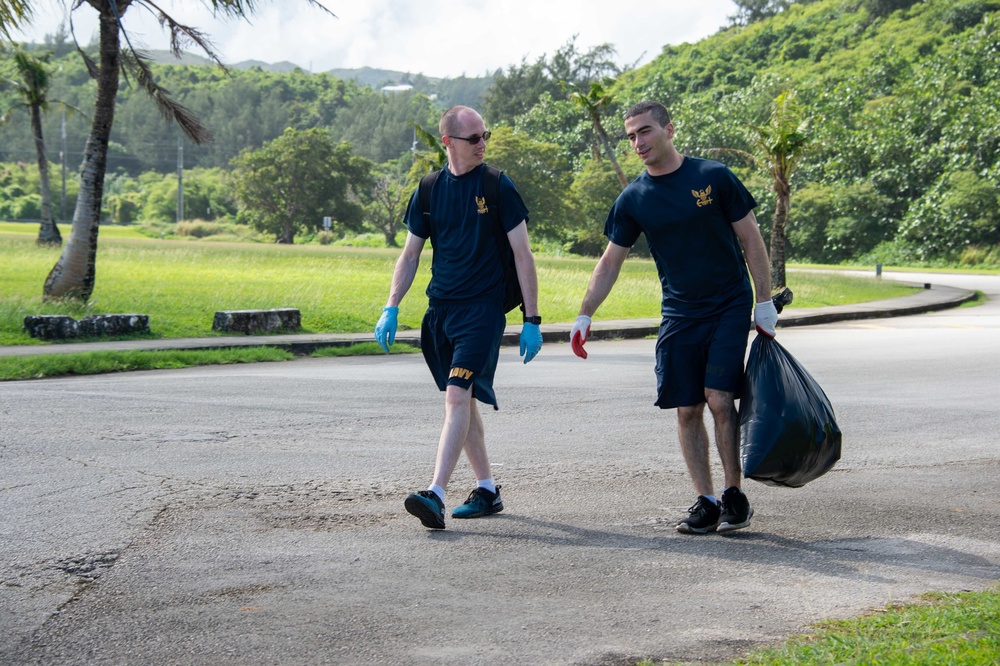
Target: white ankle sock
{"points": [[488, 484], [438, 490]]}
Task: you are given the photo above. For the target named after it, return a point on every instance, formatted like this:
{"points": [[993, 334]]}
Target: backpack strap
{"points": [[424, 195], [491, 192]]}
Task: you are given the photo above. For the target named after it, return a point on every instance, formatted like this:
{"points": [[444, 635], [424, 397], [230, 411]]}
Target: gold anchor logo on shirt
{"points": [[481, 202], [703, 196]]}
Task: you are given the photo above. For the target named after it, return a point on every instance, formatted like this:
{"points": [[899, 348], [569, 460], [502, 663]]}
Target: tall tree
{"points": [[517, 90], [293, 182], [542, 175], [74, 274], [778, 145], [594, 100], [32, 86], [751, 11], [389, 196]]}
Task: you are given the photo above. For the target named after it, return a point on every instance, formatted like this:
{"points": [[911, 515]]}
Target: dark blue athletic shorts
{"points": [[695, 354], [461, 345]]}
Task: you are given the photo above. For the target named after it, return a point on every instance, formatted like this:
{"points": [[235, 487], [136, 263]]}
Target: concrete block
{"points": [[51, 327], [257, 321], [113, 324]]}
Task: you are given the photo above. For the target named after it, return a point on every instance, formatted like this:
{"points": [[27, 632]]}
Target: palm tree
{"points": [[594, 101], [432, 159], [33, 87], [778, 146], [74, 274], [14, 14]]}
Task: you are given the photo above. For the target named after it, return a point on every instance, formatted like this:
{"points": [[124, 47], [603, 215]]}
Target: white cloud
{"points": [[435, 37]]}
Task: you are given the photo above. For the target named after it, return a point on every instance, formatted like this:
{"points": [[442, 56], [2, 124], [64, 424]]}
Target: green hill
{"points": [[902, 98]]}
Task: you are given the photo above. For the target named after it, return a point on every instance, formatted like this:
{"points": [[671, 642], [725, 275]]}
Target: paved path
{"points": [[252, 514]]}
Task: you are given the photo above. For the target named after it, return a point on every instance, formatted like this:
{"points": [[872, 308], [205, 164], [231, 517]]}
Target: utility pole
{"points": [[62, 158], [180, 179]]}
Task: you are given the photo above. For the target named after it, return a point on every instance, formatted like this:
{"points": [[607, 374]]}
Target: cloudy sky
{"points": [[443, 38]]}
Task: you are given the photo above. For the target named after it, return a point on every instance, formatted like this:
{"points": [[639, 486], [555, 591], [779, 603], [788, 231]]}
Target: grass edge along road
{"points": [[14, 368], [934, 628]]}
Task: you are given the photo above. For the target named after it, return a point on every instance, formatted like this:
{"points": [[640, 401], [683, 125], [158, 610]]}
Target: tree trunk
{"points": [[389, 231], [777, 250], [48, 232], [610, 151], [74, 274]]}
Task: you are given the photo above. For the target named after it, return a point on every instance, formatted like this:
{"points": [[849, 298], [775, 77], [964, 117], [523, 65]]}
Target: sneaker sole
{"points": [[729, 527], [489, 512], [428, 517], [684, 528]]}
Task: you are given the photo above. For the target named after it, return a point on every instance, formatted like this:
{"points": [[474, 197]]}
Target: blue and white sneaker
{"points": [[426, 506], [481, 502]]}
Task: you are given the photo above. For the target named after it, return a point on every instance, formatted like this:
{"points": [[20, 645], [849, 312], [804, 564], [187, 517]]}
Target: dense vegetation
{"points": [[899, 98], [902, 96]]}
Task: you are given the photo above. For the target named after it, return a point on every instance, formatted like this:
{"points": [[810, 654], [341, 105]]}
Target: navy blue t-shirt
{"points": [[687, 216], [465, 265]]}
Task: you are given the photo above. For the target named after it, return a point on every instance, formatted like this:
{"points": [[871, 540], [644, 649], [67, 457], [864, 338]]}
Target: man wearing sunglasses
{"points": [[462, 329]]}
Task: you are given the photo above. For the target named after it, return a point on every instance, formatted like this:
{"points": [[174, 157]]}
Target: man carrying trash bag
{"points": [[700, 227]]}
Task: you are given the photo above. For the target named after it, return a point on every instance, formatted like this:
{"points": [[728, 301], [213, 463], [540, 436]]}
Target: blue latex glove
{"points": [[385, 329], [531, 341]]}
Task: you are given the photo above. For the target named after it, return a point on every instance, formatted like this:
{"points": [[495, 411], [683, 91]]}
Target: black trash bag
{"points": [[788, 433]]}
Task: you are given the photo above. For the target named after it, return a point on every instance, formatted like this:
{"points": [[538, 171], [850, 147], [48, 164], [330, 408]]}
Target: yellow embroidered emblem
{"points": [[703, 196], [481, 202]]}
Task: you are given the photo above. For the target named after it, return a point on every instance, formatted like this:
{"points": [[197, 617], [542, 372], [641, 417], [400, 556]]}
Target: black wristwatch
{"points": [[536, 320]]}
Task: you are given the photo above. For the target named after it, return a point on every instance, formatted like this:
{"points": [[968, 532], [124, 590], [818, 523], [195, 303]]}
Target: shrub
{"points": [[980, 256], [198, 228], [964, 15]]}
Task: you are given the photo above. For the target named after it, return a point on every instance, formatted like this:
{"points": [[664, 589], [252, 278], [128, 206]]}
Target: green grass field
{"points": [[181, 284]]}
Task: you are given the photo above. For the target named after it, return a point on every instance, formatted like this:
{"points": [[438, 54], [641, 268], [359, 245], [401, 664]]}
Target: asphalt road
{"points": [[253, 514]]}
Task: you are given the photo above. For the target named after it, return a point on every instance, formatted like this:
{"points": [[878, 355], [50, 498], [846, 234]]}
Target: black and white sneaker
{"points": [[736, 510], [703, 518]]}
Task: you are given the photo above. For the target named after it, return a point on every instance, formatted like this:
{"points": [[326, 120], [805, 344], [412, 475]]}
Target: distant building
{"points": [[401, 87]]}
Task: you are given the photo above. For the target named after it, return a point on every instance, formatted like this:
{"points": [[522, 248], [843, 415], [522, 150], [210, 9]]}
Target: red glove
{"points": [[578, 335]]}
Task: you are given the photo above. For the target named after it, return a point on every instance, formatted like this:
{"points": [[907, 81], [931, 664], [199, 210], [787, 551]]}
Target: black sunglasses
{"points": [[475, 138]]}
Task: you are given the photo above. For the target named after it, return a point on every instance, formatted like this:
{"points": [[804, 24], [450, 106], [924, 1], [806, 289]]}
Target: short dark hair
{"points": [[660, 113]]}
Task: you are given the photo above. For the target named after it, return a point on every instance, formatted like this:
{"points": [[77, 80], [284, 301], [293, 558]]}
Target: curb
{"points": [[932, 298]]}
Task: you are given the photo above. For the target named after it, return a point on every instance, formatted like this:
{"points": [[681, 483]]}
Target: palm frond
{"points": [[183, 35], [246, 8], [436, 156], [92, 68], [175, 112], [14, 15]]}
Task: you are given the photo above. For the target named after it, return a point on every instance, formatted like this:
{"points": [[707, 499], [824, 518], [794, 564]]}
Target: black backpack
{"points": [[512, 297]]}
